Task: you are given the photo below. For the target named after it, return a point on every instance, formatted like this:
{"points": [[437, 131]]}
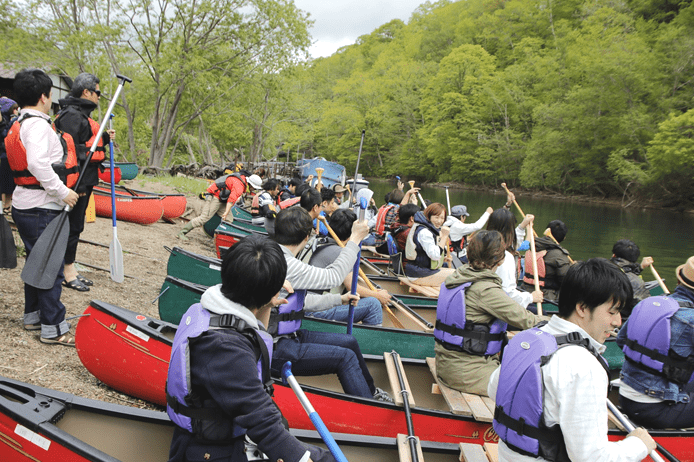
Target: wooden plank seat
{"points": [[432, 292], [477, 453], [395, 383], [404, 453], [467, 404]]}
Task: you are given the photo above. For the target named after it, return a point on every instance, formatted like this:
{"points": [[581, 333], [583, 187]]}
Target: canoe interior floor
{"points": [[146, 441]]}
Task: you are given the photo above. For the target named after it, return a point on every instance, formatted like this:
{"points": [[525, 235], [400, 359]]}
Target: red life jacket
{"points": [[289, 202], [381, 219], [100, 152], [528, 277], [67, 168]]}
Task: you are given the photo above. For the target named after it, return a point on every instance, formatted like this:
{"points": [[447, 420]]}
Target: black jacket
{"points": [[74, 119]]}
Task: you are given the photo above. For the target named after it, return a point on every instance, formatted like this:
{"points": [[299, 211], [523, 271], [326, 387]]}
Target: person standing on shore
{"points": [[40, 196], [75, 119]]}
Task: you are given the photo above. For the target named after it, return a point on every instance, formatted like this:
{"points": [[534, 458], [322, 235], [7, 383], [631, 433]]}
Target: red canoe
{"points": [[130, 353], [174, 204], [144, 210], [106, 175]]}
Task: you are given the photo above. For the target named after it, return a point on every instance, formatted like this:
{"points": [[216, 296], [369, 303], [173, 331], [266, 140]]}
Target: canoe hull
{"points": [[129, 170], [174, 205], [106, 175], [135, 209]]}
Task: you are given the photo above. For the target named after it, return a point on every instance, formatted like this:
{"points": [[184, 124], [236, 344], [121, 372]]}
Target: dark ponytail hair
{"points": [[504, 221]]}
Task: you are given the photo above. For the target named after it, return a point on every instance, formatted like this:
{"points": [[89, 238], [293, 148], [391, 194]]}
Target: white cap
{"points": [[255, 181]]}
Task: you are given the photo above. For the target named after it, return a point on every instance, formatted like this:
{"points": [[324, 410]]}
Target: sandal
{"points": [[67, 339], [7, 210], [85, 281], [36, 326], [77, 285]]}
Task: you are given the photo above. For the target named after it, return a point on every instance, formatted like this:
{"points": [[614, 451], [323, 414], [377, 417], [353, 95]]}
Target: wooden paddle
{"points": [[46, 257], [411, 183], [8, 249], [535, 275], [660, 281], [319, 174], [503, 185], [548, 232], [371, 286], [115, 251]]}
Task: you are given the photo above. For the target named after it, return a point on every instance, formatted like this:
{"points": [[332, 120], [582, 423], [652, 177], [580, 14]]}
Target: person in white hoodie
{"points": [[460, 230]]}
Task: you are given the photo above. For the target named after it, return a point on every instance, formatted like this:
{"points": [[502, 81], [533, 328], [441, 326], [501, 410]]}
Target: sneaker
{"points": [[381, 395]]}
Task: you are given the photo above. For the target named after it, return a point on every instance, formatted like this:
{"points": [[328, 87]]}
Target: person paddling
{"points": [[551, 387], [218, 389], [472, 315], [553, 261]]}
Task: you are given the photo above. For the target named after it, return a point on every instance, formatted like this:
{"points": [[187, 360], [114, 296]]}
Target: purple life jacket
{"points": [[286, 319], [454, 332], [204, 418], [648, 341], [519, 414]]}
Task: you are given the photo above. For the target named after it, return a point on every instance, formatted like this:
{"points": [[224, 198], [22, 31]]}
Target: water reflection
{"points": [[593, 228]]}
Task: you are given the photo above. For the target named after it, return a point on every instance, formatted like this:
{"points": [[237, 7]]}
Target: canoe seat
{"points": [[467, 404], [478, 453], [404, 453], [424, 290], [395, 383]]}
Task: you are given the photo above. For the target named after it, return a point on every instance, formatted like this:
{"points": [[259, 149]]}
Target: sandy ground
{"points": [[23, 357]]}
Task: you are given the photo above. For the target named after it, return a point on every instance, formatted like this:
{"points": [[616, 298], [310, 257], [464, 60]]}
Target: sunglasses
{"points": [[98, 93]]}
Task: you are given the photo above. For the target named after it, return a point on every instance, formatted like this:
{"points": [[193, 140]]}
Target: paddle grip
{"points": [[629, 426]]}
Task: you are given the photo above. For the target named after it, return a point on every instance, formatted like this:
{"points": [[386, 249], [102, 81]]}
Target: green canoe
{"points": [[239, 214], [199, 269], [178, 295]]}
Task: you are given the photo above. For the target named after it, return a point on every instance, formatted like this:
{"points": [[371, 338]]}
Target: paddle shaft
{"points": [[115, 251], [448, 201], [660, 281], [503, 185], [536, 277], [629, 426], [355, 273], [406, 404], [361, 273], [356, 172], [312, 414]]}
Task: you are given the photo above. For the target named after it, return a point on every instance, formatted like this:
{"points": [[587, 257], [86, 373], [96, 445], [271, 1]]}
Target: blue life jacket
{"points": [[519, 414], [454, 332], [286, 319], [184, 406], [647, 346]]}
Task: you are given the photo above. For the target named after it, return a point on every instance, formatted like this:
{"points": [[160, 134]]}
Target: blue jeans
{"points": [[369, 240], [41, 305], [368, 311], [320, 353]]}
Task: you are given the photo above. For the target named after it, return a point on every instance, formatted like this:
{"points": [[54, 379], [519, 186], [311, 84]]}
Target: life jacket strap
{"points": [[468, 333], [292, 316], [675, 368], [524, 429], [198, 413]]}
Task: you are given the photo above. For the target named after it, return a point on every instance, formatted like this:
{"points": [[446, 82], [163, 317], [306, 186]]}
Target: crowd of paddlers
{"points": [[549, 381]]}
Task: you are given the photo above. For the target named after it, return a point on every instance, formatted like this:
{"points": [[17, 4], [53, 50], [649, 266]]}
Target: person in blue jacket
{"points": [[227, 410]]}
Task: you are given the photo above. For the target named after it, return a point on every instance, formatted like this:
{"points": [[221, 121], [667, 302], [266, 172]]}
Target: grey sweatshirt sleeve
{"points": [[303, 276]]}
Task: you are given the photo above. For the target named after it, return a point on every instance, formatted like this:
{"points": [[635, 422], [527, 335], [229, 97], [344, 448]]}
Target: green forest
{"points": [[571, 96]]}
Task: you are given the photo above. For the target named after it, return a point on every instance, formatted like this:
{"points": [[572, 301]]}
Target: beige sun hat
{"points": [[685, 273]]}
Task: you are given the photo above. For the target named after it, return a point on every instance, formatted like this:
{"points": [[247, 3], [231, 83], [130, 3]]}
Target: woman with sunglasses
{"points": [[75, 118]]}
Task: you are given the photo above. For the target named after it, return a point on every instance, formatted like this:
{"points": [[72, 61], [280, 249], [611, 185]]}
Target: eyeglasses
{"points": [[98, 93]]}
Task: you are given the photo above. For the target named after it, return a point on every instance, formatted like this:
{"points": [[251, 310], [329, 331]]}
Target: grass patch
{"points": [[186, 185]]}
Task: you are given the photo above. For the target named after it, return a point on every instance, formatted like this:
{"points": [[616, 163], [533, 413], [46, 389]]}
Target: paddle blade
{"points": [[47, 255], [8, 250], [115, 253]]}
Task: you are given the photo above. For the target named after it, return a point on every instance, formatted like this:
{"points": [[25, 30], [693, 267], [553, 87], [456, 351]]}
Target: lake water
{"points": [[593, 228]]}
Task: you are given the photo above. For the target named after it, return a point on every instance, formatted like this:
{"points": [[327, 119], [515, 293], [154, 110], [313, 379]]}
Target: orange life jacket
{"points": [[100, 152], [528, 277], [67, 168], [381, 219], [289, 202]]}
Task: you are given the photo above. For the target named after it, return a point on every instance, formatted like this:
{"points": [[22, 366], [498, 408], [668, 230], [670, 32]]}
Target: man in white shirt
{"points": [[35, 205], [574, 382], [460, 229]]}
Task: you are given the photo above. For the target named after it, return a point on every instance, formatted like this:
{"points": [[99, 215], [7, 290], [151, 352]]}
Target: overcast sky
{"points": [[338, 23]]}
